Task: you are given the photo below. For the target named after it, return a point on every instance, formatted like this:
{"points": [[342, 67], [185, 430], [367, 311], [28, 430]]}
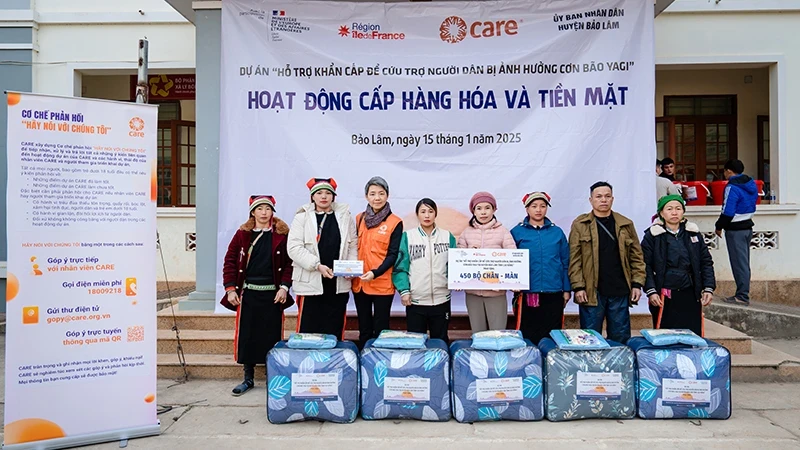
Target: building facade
{"points": [[723, 90]]}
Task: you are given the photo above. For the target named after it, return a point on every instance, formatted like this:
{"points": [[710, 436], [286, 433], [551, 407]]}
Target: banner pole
{"points": [[141, 76]]}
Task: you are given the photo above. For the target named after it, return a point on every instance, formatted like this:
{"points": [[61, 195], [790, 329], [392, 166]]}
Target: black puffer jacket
{"points": [[654, 247]]}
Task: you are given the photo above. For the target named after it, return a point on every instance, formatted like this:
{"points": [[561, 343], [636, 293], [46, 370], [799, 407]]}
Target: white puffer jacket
{"points": [[302, 248]]}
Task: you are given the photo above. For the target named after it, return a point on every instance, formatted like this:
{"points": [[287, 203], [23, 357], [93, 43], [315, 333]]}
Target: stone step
{"points": [[220, 342], [763, 365], [193, 320]]}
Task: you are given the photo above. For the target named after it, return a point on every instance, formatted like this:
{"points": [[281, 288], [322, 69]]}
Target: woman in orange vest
{"points": [[379, 235]]}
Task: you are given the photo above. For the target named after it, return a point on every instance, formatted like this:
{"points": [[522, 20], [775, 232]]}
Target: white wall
{"points": [[172, 228], [708, 38]]}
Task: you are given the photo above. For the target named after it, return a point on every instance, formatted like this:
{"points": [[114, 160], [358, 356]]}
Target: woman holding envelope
{"points": [[680, 271], [540, 309], [487, 309], [322, 231], [257, 275], [420, 273], [379, 233]]}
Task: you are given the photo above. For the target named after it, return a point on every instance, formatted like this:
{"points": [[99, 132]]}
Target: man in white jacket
{"points": [[322, 231]]}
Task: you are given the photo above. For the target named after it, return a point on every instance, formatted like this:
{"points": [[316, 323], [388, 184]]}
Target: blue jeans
{"points": [[615, 311]]}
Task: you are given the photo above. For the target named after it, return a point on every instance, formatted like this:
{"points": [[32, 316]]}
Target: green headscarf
{"points": [[662, 202]]}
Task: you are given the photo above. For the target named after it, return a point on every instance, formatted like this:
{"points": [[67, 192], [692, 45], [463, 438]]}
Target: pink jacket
{"points": [[490, 235]]}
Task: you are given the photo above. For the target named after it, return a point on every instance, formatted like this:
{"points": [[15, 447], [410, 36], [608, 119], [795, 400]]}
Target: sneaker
{"points": [[731, 300], [736, 301], [242, 388]]}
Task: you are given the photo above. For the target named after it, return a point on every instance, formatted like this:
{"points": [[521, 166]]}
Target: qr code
{"points": [[136, 334]]}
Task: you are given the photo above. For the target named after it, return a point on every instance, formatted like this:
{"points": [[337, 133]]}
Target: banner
{"points": [[81, 325], [441, 99]]}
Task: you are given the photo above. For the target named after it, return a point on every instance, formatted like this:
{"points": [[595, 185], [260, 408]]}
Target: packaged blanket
{"points": [[496, 384], [681, 381], [307, 384], [589, 384], [406, 384]]}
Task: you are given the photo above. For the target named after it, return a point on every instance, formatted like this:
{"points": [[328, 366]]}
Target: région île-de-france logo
{"points": [[454, 29], [359, 30], [136, 125]]}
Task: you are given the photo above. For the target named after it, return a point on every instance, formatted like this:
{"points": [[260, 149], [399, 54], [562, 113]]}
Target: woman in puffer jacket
{"points": [[488, 310], [680, 270]]}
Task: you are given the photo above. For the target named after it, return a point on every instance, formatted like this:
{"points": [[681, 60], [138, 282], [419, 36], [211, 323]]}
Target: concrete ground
{"points": [[205, 416], [790, 346]]}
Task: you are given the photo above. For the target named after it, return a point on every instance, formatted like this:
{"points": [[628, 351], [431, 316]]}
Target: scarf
{"points": [[373, 219]]}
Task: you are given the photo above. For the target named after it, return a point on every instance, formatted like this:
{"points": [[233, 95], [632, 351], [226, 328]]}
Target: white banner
{"points": [[441, 99], [81, 324]]}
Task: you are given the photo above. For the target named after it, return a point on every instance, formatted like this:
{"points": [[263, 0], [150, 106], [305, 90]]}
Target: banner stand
{"points": [[89, 439]]}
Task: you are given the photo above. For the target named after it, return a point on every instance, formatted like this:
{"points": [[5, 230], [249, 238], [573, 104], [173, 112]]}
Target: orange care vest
{"points": [[373, 246]]}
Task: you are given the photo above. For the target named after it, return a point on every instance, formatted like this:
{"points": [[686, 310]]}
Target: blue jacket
{"points": [[548, 252], [739, 205]]}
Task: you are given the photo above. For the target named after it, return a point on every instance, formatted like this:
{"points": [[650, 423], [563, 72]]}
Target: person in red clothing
{"points": [[257, 275], [379, 235]]}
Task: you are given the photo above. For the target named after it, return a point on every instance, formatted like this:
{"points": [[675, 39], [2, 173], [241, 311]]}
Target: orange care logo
{"points": [[137, 126], [454, 29]]}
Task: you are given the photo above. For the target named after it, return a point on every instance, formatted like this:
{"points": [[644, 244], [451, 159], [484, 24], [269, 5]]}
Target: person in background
{"points": [[379, 234], [257, 275], [668, 169], [322, 232], [487, 309], [606, 266], [541, 308], [663, 185], [420, 274], [680, 271], [738, 208]]}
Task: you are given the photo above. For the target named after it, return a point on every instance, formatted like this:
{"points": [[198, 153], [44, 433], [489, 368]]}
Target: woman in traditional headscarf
{"points": [[257, 275], [680, 270]]}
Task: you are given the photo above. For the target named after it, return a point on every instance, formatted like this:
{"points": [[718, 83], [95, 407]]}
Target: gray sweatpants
{"points": [[738, 242], [487, 310]]}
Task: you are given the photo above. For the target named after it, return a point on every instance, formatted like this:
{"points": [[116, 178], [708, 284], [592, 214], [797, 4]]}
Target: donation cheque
{"points": [[487, 269]]}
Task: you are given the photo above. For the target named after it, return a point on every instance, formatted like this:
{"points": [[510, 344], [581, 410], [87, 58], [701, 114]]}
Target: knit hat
{"points": [[377, 181], [316, 184], [529, 198], [258, 200], [482, 197], [662, 202]]}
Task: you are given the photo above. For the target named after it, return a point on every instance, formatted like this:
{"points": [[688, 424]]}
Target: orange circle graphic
{"points": [[12, 286], [31, 430], [13, 98]]}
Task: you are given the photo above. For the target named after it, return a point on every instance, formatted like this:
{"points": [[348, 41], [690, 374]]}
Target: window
{"points": [[705, 135], [763, 152], [176, 157]]}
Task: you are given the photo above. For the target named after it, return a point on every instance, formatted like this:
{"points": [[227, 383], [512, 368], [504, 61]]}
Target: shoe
{"points": [[731, 300], [242, 388], [736, 301]]}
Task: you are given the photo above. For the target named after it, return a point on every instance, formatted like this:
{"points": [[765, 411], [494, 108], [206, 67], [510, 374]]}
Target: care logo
{"points": [[136, 125], [454, 29]]}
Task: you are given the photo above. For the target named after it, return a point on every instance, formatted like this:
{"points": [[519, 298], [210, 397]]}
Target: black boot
{"points": [[248, 383]]}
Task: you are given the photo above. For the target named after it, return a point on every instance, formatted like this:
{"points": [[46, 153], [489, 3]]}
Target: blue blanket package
{"points": [[406, 384], [589, 384], [578, 339], [672, 337], [683, 382], [498, 340], [312, 384], [496, 385], [311, 341], [400, 339]]}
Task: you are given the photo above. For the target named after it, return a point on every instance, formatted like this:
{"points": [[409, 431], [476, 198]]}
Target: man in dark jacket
{"points": [[736, 219], [667, 169]]}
